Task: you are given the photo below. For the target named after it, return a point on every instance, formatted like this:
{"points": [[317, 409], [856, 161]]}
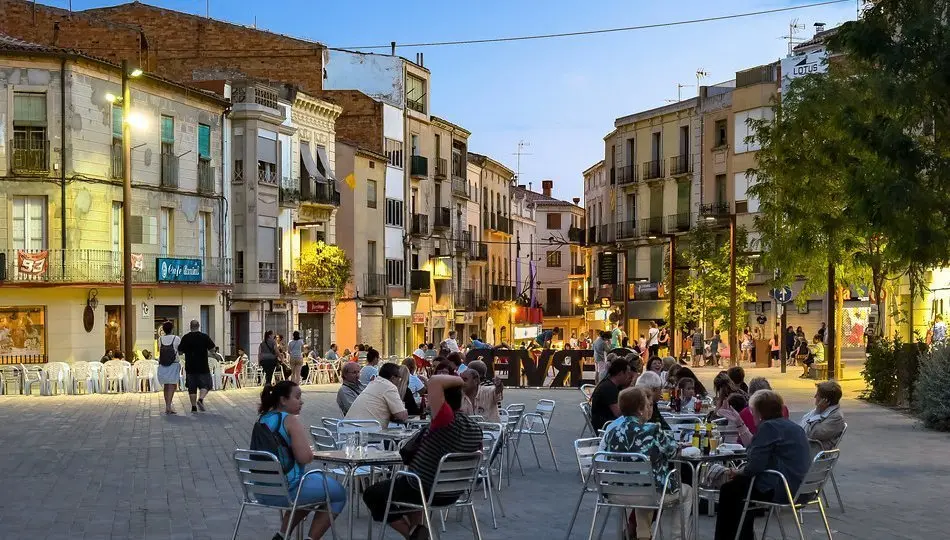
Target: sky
{"points": [[560, 96]]}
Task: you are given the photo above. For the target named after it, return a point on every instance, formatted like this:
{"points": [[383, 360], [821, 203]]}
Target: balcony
{"points": [[481, 303], [419, 225], [627, 230], [256, 95], [322, 193], [499, 223], [466, 299], [30, 156], [677, 223], [604, 234], [99, 266], [267, 176], [443, 218], [679, 165], [169, 171], [562, 309], [463, 242], [651, 226], [205, 177], [653, 170], [420, 281], [116, 169], [502, 293], [613, 176], [441, 168], [576, 236], [578, 270], [289, 193], [714, 209], [374, 285], [478, 252], [460, 187], [266, 273], [627, 175], [419, 166]]}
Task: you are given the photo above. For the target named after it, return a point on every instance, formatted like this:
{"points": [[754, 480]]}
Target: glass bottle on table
{"points": [[696, 435]]}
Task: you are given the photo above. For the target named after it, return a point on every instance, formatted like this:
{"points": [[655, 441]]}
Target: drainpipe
{"points": [[62, 160]]}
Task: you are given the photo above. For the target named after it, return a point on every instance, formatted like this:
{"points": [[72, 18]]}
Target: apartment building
{"points": [[61, 205], [475, 290], [599, 205]]}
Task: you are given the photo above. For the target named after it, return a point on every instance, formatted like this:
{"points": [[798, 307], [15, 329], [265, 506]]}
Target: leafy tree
{"points": [[324, 266], [702, 294]]}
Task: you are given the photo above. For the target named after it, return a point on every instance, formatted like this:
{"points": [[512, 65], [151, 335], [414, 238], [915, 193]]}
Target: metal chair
{"points": [[323, 439], [584, 451], [10, 377], [588, 423], [588, 391], [626, 481], [809, 493], [457, 473], [491, 445], [834, 482], [511, 418], [260, 473], [535, 424]]}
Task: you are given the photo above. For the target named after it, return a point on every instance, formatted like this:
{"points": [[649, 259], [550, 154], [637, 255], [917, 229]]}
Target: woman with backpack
{"points": [[280, 432], [169, 368], [267, 356]]}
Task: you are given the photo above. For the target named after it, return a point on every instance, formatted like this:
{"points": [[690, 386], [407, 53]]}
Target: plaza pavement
{"points": [[114, 467]]}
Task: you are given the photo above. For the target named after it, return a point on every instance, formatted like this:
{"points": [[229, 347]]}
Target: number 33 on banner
{"points": [[32, 263]]}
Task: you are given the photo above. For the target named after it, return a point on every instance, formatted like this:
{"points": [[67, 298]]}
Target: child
{"points": [[687, 388]]}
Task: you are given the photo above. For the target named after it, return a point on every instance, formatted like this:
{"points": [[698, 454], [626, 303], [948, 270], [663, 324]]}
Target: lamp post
{"points": [[129, 344], [733, 335]]}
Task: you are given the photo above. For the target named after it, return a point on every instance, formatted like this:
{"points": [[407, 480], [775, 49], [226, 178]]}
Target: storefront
{"points": [[398, 333], [314, 324]]}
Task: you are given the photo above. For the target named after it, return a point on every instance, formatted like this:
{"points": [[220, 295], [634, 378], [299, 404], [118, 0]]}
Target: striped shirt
{"points": [[448, 433]]}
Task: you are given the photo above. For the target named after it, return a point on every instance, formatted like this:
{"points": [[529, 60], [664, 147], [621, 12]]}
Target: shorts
{"points": [[296, 362], [194, 381], [311, 492]]}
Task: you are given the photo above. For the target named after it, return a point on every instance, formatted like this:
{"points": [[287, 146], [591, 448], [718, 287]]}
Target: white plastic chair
{"points": [[457, 473], [96, 369], [114, 375], [215, 368], [260, 473], [10, 377], [82, 377], [626, 481], [144, 373], [535, 424], [32, 376], [57, 377], [809, 493], [584, 451]]}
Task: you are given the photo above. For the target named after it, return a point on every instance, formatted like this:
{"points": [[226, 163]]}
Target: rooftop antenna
{"points": [[522, 144], [793, 29], [700, 75]]}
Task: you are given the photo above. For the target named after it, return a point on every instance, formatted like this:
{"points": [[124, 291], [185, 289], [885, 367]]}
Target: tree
{"points": [[702, 294], [324, 266]]}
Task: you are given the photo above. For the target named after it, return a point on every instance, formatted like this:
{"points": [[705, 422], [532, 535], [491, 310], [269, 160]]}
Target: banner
{"points": [[138, 262], [178, 270], [33, 264], [520, 367]]}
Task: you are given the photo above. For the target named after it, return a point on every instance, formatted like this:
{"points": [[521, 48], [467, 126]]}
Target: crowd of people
{"points": [[625, 404]]}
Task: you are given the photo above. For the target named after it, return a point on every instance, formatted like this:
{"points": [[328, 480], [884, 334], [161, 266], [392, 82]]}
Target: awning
{"points": [[325, 161], [309, 166], [646, 309]]}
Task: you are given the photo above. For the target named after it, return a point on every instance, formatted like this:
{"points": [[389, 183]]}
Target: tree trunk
{"points": [[839, 331]]}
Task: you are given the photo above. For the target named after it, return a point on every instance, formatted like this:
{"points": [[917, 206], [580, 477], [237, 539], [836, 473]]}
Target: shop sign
{"points": [[313, 306], [402, 308], [527, 332], [607, 267], [605, 302], [652, 290], [278, 305], [418, 318], [178, 270], [33, 264], [794, 67]]}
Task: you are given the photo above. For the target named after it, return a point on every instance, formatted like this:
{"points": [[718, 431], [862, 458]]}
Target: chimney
{"points": [[522, 186], [546, 186], [392, 45], [819, 27], [577, 201]]}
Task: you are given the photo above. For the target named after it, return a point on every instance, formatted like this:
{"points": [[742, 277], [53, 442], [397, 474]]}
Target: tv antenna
{"points": [[792, 38], [522, 144]]}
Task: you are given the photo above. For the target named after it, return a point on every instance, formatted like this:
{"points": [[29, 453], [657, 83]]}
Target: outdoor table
{"points": [[393, 434], [351, 461], [693, 462]]}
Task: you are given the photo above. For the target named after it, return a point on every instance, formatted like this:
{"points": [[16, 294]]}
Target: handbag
{"points": [[412, 445]]}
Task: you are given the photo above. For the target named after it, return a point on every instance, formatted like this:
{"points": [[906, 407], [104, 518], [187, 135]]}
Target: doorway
{"points": [[240, 330], [166, 313], [113, 328]]}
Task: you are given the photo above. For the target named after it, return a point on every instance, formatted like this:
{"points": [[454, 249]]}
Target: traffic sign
{"points": [[782, 296]]}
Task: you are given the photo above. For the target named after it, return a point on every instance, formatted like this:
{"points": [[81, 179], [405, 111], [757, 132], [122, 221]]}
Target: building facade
{"points": [[62, 200]]}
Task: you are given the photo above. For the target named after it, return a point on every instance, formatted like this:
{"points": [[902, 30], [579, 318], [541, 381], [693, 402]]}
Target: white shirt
{"points": [[420, 353], [379, 401], [573, 342], [654, 336], [451, 345]]}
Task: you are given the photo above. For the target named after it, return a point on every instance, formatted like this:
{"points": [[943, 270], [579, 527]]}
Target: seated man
{"points": [[634, 432], [779, 445], [603, 402], [824, 424], [449, 432], [371, 369], [380, 400], [351, 387], [816, 355], [478, 399], [652, 384]]}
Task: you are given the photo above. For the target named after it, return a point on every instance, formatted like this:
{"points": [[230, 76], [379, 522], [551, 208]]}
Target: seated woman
{"points": [[685, 372], [650, 382], [723, 387], [279, 410], [634, 432], [824, 424], [756, 384], [778, 445]]}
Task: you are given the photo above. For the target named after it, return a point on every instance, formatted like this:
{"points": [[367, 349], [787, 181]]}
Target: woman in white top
{"points": [[169, 368], [295, 351]]}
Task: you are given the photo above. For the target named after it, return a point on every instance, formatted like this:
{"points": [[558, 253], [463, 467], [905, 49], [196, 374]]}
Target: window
{"points": [[395, 272], [267, 254], [656, 262], [554, 259], [165, 232], [266, 157], [394, 212], [371, 193], [416, 93], [117, 154], [742, 182], [239, 267], [203, 228], [393, 150], [744, 130], [438, 146], [684, 140], [721, 189], [168, 135], [722, 139], [30, 147], [414, 259], [458, 162], [656, 146], [631, 152], [116, 226], [204, 142], [414, 144], [29, 223], [371, 257], [554, 220]]}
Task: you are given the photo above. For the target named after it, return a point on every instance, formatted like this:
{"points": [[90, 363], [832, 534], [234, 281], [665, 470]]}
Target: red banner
{"points": [[33, 264], [138, 262], [318, 306]]}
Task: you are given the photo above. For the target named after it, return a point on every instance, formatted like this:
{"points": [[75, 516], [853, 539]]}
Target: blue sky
{"points": [[559, 95]]}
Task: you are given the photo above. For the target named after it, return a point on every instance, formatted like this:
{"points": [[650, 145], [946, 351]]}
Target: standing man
{"points": [[823, 333], [350, 388], [451, 343], [616, 337], [939, 330], [600, 354], [370, 370], [653, 339], [699, 347], [195, 346]]}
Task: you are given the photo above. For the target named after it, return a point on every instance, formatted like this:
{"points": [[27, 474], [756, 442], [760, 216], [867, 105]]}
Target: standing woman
{"points": [[295, 349], [169, 368], [282, 358], [267, 356]]}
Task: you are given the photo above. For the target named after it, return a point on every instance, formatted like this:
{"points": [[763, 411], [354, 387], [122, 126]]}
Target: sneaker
{"points": [[194, 409], [201, 404]]}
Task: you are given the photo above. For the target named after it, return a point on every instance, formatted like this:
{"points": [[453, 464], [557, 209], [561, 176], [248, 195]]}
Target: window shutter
{"points": [[204, 141], [29, 109], [168, 129], [116, 122]]}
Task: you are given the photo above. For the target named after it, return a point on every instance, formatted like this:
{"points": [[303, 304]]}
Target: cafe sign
{"points": [[171, 270]]}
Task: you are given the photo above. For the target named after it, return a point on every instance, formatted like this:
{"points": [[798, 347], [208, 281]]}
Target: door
{"points": [[113, 328], [166, 313], [721, 189], [240, 339], [554, 306], [205, 317]]}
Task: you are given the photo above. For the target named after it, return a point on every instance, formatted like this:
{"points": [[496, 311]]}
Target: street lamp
{"points": [[129, 344]]}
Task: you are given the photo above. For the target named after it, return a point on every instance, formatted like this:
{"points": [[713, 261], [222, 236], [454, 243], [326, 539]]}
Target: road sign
{"points": [[782, 296]]}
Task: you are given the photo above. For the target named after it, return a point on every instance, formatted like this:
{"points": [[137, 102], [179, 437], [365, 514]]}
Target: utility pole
{"points": [[733, 316], [129, 309], [831, 329], [521, 146], [672, 322]]}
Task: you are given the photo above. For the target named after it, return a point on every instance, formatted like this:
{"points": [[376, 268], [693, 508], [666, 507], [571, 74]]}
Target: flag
{"points": [[350, 181]]}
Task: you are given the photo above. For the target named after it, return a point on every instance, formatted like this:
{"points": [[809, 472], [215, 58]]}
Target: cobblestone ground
{"points": [[113, 467]]}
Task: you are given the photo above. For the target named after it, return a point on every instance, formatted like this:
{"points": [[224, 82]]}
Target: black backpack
{"points": [[265, 440], [167, 355]]}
